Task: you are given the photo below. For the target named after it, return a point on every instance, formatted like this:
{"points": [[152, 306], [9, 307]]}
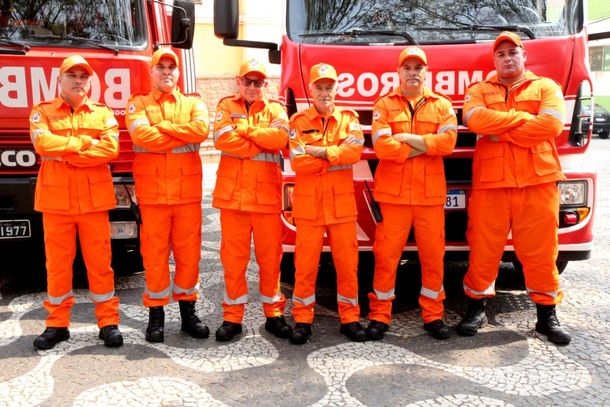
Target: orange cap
{"points": [[252, 66], [164, 53], [507, 36], [412, 52], [322, 71], [75, 60]]}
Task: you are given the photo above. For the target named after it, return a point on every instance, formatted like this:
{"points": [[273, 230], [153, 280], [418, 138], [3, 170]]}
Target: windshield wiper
{"points": [[357, 31], [81, 40], [485, 27], [25, 47]]}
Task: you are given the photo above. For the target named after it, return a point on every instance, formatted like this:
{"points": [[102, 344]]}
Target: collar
{"points": [[59, 103], [157, 94], [311, 113]]}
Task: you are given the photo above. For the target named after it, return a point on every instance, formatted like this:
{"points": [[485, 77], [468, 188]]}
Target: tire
{"points": [[604, 134]]}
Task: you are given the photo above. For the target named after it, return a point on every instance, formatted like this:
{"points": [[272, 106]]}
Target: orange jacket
{"points": [[249, 176], [418, 180], [525, 120], [324, 190], [74, 177], [166, 130]]}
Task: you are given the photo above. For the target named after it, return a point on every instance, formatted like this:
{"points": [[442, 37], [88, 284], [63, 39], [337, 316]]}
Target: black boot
{"points": [[376, 330], [354, 331], [438, 329], [156, 321], [278, 327], [190, 322], [300, 333], [548, 325], [475, 318], [227, 331], [51, 337], [111, 335]]}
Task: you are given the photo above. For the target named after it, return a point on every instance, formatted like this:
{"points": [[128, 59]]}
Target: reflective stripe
{"points": [[305, 301], [159, 295], [136, 123], [239, 115], [426, 292], [115, 135], [555, 113], [552, 294], [300, 150], [50, 158], [60, 299], [470, 112], [359, 141], [187, 148], [271, 300], [101, 297], [275, 158], [200, 119], [352, 301], [384, 295], [447, 127], [35, 134], [386, 131], [187, 291], [340, 167], [222, 131], [488, 291], [285, 127], [240, 300]]}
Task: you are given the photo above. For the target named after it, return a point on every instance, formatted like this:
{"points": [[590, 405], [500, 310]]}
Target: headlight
{"points": [[572, 193], [121, 191]]}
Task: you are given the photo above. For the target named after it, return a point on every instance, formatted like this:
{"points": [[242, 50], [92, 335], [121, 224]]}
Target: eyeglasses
{"points": [[258, 83]]}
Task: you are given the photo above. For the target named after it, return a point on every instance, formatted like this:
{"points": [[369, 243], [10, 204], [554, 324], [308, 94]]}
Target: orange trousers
{"points": [[344, 248], [238, 230], [176, 228], [531, 213], [390, 239], [60, 232]]}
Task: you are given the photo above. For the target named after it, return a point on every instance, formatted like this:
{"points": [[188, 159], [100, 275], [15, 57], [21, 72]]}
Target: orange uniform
{"points": [[167, 129], [248, 194], [411, 191], [74, 192], [515, 171], [324, 202]]}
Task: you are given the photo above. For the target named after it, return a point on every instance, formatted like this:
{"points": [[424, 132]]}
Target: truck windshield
{"points": [[359, 22], [112, 24]]}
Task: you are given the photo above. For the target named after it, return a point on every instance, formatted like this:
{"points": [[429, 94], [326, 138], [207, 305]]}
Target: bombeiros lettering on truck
{"points": [[362, 40], [117, 39]]}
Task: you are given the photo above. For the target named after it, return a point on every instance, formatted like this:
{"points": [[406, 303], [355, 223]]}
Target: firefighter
{"points": [[413, 128], [325, 142], [166, 128], [517, 116], [250, 131], [76, 138]]}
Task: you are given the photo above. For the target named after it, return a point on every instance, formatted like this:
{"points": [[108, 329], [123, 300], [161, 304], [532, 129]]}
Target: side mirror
{"points": [[183, 24], [226, 19]]}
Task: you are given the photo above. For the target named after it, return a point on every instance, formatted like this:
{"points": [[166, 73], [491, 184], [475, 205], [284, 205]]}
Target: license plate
{"points": [[456, 199], [15, 229]]}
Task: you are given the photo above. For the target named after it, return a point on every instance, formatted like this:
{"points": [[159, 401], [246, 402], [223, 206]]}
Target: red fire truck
{"points": [[362, 40], [117, 38]]}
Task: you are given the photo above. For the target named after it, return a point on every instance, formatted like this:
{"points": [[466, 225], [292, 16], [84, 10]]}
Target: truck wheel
{"points": [[604, 134]]}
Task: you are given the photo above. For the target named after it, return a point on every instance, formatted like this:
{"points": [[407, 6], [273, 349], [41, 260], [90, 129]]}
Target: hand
{"points": [[350, 140], [276, 123], [314, 151]]}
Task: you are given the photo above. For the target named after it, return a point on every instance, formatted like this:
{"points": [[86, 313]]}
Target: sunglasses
{"points": [[258, 83]]}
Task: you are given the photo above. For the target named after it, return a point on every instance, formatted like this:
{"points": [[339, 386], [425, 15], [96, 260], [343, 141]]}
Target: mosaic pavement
{"points": [[507, 364]]}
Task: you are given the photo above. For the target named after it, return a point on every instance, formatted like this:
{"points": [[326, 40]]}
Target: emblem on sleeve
{"points": [[293, 134], [376, 114], [36, 117], [132, 108], [218, 116], [467, 97]]}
